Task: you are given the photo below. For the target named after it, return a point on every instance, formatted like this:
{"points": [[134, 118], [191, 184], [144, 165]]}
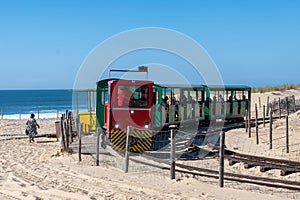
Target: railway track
{"points": [[285, 166], [210, 173]]}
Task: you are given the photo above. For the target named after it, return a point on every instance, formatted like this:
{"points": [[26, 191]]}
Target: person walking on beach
{"points": [[31, 130]]}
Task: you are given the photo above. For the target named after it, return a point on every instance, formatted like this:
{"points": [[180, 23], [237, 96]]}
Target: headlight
{"points": [[117, 125], [146, 125], [131, 111]]}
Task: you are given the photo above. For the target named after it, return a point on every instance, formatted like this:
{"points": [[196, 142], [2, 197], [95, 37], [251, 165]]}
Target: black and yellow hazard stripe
{"points": [[140, 140]]}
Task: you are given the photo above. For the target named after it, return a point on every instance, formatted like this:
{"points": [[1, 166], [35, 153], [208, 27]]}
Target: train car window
{"points": [[154, 96]]}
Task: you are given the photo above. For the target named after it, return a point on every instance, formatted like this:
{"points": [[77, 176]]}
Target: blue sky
{"points": [[43, 43]]}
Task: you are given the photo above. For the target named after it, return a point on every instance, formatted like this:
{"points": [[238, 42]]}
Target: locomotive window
{"points": [[104, 95], [134, 96], [139, 97]]}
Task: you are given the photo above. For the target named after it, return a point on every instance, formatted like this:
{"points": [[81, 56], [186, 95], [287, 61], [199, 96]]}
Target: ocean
{"points": [[43, 103]]}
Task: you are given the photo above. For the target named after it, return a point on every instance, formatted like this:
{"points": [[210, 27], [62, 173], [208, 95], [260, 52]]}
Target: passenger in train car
{"points": [[183, 101], [235, 99], [230, 100], [221, 99], [124, 95], [208, 99], [214, 99], [176, 104], [121, 96], [165, 101], [165, 104], [246, 100], [191, 100]]}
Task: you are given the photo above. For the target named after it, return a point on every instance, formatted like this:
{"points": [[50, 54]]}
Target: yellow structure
{"points": [[88, 120]]}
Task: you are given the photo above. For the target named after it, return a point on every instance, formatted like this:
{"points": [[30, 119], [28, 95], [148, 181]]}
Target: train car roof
{"points": [[211, 87], [171, 85], [229, 87]]}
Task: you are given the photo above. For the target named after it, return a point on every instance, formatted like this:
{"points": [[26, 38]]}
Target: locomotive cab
{"points": [[123, 103]]}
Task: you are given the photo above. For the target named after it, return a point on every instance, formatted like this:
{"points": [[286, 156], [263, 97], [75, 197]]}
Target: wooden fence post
{"points": [[256, 123], [259, 103], [57, 129], [62, 134], [287, 105], [66, 131], [268, 106], [97, 146], [264, 115], [287, 133], [129, 130], [79, 141], [172, 153], [249, 123], [294, 103], [221, 159], [271, 122], [246, 123], [69, 122], [279, 108], [2, 113]]}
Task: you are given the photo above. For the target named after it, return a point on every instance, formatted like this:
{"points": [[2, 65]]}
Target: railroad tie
{"points": [[232, 162], [265, 168], [249, 165]]}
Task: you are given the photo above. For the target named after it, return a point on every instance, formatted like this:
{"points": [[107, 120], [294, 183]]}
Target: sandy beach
{"points": [[40, 171]]}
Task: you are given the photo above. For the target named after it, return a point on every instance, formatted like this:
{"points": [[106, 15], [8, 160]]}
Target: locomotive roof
{"points": [[118, 79]]}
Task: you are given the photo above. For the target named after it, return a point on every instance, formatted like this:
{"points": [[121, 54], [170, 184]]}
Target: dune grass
{"points": [[275, 88]]}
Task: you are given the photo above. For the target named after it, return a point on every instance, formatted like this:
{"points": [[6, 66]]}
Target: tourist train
{"points": [[150, 108]]}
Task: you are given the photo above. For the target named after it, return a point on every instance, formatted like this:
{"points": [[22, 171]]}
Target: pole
{"points": [[287, 105], [2, 113], [246, 123], [221, 155], [62, 136], [287, 133], [264, 115], [271, 122], [172, 153], [129, 130], [268, 106], [79, 141], [249, 123], [97, 146], [256, 124], [279, 108], [294, 103], [66, 131]]}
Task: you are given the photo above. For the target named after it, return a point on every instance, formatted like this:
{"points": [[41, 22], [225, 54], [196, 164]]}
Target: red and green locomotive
{"points": [[150, 108]]}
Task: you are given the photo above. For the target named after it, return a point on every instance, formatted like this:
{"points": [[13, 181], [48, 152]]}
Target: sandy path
{"points": [[39, 171]]}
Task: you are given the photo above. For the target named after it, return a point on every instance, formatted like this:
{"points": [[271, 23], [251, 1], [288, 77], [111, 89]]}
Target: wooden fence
{"points": [[283, 106], [65, 130]]}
